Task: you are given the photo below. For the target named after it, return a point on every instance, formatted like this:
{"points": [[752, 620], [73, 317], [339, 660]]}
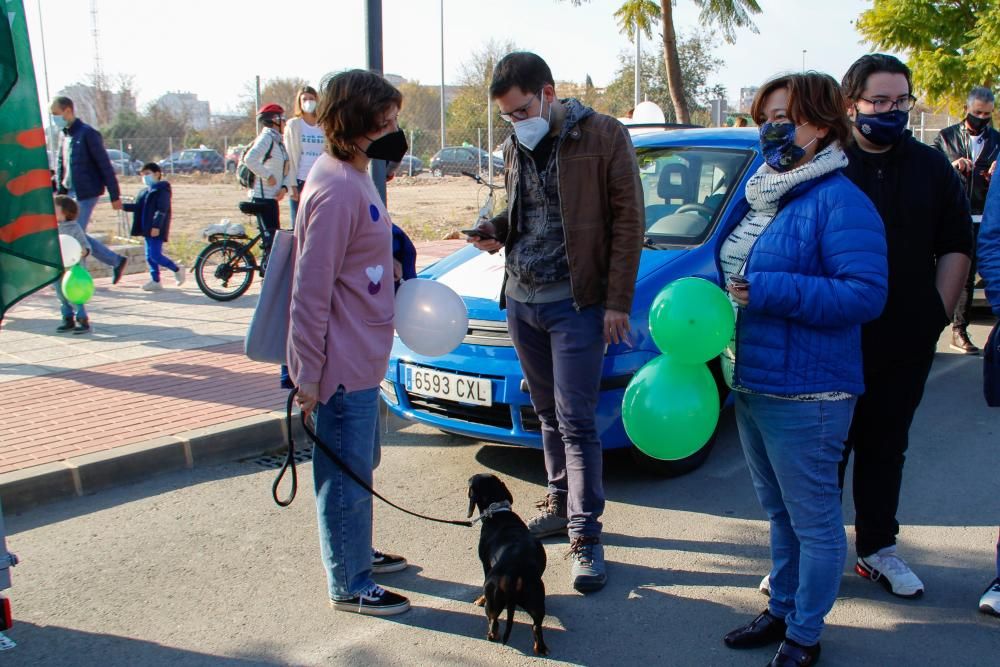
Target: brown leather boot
{"points": [[960, 342]]}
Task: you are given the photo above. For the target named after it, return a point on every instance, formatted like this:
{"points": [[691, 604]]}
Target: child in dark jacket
{"points": [[66, 214], [151, 220]]}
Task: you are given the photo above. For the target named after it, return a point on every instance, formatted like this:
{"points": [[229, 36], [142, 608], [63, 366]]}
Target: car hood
{"points": [[477, 276]]}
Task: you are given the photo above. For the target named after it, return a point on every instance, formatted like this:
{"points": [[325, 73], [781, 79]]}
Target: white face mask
{"points": [[309, 106], [530, 131]]}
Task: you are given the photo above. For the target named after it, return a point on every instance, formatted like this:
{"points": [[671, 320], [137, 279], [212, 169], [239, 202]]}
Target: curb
{"points": [[84, 475]]}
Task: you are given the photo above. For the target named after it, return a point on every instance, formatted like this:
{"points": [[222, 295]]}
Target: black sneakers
{"points": [[376, 601], [119, 270], [82, 326], [69, 323], [386, 563]]}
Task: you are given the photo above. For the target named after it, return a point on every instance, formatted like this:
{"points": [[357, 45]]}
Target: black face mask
{"points": [[976, 125], [391, 147]]}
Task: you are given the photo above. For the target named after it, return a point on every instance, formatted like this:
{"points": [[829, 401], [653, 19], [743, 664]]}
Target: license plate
{"points": [[449, 386]]}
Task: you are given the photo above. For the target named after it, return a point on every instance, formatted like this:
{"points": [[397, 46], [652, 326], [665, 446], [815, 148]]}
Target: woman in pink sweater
{"points": [[341, 326]]}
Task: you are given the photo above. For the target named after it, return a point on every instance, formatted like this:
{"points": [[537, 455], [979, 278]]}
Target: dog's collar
{"points": [[502, 506]]}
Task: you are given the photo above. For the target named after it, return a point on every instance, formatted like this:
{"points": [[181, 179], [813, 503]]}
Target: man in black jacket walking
{"points": [[929, 238], [972, 147]]}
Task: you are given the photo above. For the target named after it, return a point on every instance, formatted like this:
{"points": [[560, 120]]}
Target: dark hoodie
{"points": [[151, 210]]}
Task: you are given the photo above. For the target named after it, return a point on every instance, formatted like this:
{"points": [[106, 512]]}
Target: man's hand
{"points": [[485, 244], [117, 204], [154, 232], [963, 165], [616, 327], [307, 397], [739, 293], [271, 181]]}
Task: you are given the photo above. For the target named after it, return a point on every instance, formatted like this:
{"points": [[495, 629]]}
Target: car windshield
{"points": [[685, 189]]}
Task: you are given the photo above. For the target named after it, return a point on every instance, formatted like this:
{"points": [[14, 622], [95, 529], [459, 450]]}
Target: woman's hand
{"points": [[397, 270], [307, 397], [739, 293]]}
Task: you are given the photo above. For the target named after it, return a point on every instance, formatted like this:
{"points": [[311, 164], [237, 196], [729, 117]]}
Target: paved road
{"points": [[201, 568]]}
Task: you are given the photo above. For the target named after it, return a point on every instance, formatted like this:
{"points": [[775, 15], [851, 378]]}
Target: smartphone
{"points": [[484, 235], [738, 281]]}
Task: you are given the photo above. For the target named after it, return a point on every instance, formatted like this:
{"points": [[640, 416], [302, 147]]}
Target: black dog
{"points": [[513, 560]]}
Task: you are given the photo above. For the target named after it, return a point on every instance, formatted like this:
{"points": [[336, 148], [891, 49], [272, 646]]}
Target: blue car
{"points": [[692, 181]]}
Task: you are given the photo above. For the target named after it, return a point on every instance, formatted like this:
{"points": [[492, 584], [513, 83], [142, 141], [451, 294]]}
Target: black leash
{"points": [[290, 465]]}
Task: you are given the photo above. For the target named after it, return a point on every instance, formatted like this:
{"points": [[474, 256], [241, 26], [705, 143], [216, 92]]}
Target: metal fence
{"points": [[926, 126], [129, 154]]}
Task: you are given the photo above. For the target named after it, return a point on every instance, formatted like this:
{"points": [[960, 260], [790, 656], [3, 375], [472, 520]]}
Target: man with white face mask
{"points": [[573, 233]]}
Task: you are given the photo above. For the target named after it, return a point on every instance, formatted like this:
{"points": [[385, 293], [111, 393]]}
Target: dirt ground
{"points": [[428, 208]]}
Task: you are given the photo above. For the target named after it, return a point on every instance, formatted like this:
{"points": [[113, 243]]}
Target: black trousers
{"points": [[963, 310], [270, 220], [879, 437]]}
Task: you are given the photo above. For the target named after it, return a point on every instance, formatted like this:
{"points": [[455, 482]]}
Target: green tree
{"points": [[726, 15], [951, 45], [468, 111]]}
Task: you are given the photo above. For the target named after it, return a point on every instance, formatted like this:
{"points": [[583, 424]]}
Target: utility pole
{"points": [[373, 21], [48, 95], [638, 60], [442, 74]]}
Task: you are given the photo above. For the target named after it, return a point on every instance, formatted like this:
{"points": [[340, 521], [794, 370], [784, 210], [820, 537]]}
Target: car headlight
{"points": [[389, 391]]}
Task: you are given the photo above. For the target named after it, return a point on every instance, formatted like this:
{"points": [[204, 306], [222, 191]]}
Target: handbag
{"points": [[267, 337], [991, 368]]}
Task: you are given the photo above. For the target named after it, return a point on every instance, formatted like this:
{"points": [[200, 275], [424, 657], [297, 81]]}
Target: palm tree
{"points": [[727, 15]]}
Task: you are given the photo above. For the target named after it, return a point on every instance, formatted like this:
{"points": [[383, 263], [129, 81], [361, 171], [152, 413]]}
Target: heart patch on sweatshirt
{"points": [[374, 274]]}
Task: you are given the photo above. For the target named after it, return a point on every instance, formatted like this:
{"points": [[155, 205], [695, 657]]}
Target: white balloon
{"points": [[70, 249], [431, 319], [648, 112]]}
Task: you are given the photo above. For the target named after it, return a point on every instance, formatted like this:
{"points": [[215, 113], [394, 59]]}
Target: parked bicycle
{"points": [[224, 270], [486, 210]]}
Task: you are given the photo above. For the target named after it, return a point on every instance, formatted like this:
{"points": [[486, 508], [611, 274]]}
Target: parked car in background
{"points": [[233, 156], [190, 160], [457, 159], [693, 182], [409, 166], [122, 162]]}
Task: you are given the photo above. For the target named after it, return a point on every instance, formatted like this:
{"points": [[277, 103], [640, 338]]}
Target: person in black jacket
{"points": [[972, 146], [84, 172], [929, 237], [151, 220]]}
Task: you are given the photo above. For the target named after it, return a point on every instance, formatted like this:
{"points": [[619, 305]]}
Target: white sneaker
{"points": [[180, 275], [153, 286], [990, 602], [892, 572], [765, 585]]}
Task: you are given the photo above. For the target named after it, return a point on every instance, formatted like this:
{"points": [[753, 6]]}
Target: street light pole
{"points": [[442, 74], [803, 60], [638, 60], [373, 21]]}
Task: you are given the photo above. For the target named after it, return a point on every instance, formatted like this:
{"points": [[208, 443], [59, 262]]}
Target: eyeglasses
{"points": [[521, 113], [884, 105]]}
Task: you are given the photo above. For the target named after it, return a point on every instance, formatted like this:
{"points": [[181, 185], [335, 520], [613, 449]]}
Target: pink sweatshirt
{"points": [[342, 293]]}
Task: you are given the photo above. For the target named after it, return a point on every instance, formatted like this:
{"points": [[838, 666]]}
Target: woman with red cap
{"points": [[268, 160]]}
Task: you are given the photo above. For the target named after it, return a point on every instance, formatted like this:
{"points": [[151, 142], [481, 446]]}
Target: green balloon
{"points": [[691, 320], [670, 408], [77, 285]]}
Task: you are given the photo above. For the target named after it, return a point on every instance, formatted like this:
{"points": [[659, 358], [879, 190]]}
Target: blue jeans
{"points": [[562, 352], [101, 252], [67, 308], [293, 205], [793, 449], [155, 258], [348, 424]]}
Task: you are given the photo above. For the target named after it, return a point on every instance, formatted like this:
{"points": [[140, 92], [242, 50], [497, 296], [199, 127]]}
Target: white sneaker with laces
{"points": [[180, 275], [153, 286], [990, 602], [765, 585], [892, 572]]}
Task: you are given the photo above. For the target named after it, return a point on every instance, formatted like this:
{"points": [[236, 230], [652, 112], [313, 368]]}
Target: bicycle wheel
{"points": [[222, 272]]}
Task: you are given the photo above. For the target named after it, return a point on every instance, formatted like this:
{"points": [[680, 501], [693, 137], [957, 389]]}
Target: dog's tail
{"points": [[512, 597]]}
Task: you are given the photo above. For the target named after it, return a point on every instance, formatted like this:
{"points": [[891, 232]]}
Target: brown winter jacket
{"points": [[602, 212]]}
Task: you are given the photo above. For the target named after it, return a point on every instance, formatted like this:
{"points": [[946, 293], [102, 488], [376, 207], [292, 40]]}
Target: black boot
{"points": [[68, 324], [82, 325]]}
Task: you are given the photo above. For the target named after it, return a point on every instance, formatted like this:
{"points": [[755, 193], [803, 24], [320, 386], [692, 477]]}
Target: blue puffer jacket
{"points": [[816, 274], [151, 210], [90, 167]]}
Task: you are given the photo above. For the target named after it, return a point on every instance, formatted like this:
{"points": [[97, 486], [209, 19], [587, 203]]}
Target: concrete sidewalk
{"points": [[159, 384]]}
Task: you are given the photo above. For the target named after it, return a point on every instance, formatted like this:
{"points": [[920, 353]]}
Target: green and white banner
{"points": [[29, 241]]}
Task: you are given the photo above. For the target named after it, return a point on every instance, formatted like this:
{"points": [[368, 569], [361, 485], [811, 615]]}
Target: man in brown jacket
{"points": [[572, 233]]}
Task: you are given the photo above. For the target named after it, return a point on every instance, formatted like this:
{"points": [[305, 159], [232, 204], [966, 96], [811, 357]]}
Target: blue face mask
{"points": [[777, 145], [882, 129], [59, 122], [149, 180]]}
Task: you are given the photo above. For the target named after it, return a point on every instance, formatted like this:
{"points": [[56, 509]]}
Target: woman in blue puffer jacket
{"points": [[806, 266]]}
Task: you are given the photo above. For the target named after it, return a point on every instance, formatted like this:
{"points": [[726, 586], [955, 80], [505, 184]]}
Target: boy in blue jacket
{"points": [[151, 220]]}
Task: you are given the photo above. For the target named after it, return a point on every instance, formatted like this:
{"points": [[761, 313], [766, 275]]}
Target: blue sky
{"points": [[215, 47]]}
